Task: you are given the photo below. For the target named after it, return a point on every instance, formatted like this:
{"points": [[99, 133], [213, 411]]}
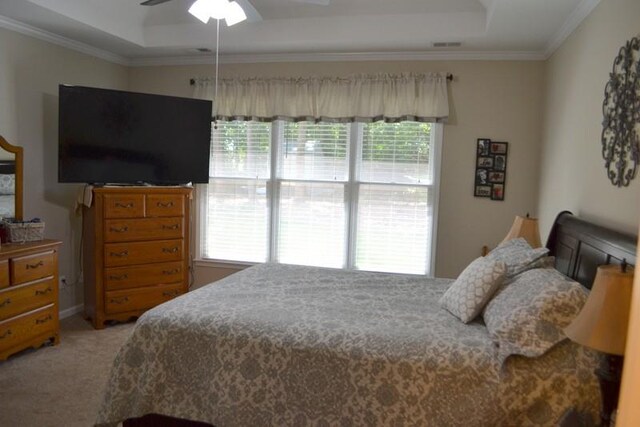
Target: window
{"points": [[358, 196]]}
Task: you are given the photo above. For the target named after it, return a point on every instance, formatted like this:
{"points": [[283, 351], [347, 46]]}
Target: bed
{"points": [[290, 345]]}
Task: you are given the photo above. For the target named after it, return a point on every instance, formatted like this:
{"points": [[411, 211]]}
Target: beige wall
{"points": [[498, 100], [30, 71], [572, 169]]}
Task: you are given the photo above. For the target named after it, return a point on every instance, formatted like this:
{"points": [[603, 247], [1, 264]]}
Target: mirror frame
{"points": [[17, 151]]}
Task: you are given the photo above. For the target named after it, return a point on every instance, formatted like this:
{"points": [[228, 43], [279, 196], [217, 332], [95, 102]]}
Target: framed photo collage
{"points": [[491, 169]]}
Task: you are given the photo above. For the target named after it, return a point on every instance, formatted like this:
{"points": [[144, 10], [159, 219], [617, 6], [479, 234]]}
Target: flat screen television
{"points": [[116, 137]]}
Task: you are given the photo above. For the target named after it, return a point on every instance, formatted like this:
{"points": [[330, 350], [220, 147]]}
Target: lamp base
{"points": [[609, 375]]}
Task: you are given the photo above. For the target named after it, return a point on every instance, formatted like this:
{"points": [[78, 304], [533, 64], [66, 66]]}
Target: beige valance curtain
{"points": [[416, 97]]}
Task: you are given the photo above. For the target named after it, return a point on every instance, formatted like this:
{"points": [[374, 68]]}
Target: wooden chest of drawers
{"points": [[136, 250], [28, 295]]}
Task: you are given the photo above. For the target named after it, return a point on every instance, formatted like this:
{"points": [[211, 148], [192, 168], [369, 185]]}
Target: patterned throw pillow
{"points": [[518, 255], [473, 288], [528, 315], [7, 184]]}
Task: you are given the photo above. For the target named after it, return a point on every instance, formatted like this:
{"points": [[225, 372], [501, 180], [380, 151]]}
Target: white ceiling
{"points": [[127, 32]]}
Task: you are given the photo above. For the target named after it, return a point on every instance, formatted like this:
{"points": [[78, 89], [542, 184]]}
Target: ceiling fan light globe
{"points": [[235, 14], [201, 10]]}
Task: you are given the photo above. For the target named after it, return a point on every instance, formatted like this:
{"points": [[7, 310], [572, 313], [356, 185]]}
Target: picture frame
{"points": [[498, 148], [491, 169], [482, 191], [497, 192], [485, 162], [484, 146], [496, 177]]}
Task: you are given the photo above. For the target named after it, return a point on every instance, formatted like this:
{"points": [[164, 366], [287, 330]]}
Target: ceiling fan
{"points": [[251, 13]]}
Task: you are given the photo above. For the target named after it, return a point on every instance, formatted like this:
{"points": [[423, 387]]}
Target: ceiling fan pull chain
{"points": [[215, 98]]}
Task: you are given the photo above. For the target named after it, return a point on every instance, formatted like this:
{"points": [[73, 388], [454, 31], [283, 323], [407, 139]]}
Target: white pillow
{"points": [[518, 255], [475, 286], [528, 316]]}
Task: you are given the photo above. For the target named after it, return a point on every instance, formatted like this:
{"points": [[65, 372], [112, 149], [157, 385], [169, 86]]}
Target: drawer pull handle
{"points": [[124, 205], [36, 265], [170, 293], [170, 272], [120, 277], [6, 334], [5, 302], [169, 250], [43, 320], [119, 254], [170, 227], [165, 205], [46, 291], [119, 230], [120, 300]]}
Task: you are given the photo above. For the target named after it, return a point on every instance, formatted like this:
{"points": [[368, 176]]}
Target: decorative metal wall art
{"points": [[621, 109]]}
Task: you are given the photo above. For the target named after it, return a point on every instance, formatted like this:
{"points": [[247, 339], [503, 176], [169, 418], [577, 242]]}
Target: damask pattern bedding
{"points": [[278, 345]]}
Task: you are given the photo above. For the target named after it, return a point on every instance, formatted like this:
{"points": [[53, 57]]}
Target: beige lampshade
{"points": [[602, 322], [526, 228]]}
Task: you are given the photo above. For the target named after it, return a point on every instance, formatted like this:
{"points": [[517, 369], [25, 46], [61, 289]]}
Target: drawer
{"points": [[121, 254], [4, 274], [26, 297], [27, 326], [143, 275], [123, 205], [32, 267], [125, 230], [165, 205], [140, 299]]}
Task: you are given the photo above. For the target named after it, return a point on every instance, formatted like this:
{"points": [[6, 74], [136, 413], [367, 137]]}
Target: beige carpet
{"points": [[60, 386]]}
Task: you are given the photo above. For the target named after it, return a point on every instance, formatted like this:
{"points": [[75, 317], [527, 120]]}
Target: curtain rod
{"points": [[192, 81]]}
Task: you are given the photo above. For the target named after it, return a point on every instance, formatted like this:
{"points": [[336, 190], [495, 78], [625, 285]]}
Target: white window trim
{"points": [[351, 187]]}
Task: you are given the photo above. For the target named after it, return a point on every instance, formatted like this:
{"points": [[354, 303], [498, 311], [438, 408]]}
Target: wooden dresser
{"points": [[136, 250], [28, 295]]}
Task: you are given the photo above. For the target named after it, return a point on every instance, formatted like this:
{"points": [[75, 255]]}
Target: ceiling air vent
{"points": [[447, 44], [203, 50]]}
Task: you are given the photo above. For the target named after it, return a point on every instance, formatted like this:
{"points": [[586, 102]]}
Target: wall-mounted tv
{"points": [[116, 137]]}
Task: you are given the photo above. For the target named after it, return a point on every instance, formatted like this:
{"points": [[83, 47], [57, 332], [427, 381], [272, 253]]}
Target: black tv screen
{"points": [[110, 136]]}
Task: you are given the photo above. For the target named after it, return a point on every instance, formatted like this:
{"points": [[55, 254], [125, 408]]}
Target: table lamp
{"points": [[526, 228], [602, 325]]}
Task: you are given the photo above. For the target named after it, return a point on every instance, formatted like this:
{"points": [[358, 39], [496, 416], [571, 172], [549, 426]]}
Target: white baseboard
{"points": [[71, 311]]}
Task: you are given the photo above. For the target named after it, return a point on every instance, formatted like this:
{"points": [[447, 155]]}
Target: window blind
{"points": [[395, 206], [396, 153], [237, 208], [314, 151], [312, 224], [337, 195], [393, 229]]}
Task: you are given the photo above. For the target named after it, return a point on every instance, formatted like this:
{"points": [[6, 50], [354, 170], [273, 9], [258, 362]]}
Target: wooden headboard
{"points": [[580, 247]]}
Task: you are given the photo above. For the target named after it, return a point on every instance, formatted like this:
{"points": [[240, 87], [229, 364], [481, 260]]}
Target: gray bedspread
{"points": [[278, 345]]}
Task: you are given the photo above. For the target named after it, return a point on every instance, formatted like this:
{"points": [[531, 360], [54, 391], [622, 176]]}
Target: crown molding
{"points": [[579, 14], [338, 57], [576, 17], [28, 30]]}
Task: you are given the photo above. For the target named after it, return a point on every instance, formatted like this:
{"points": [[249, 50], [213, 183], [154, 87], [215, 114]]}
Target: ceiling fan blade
{"points": [[252, 14], [153, 2]]}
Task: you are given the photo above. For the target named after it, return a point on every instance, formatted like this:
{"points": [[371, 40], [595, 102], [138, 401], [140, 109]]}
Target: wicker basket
{"points": [[20, 232]]}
